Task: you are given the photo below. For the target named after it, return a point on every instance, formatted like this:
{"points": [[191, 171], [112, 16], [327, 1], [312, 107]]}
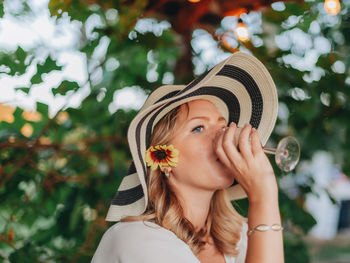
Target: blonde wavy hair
{"points": [[223, 223]]}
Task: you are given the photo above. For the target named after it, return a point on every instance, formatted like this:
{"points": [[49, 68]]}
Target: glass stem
{"points": [[269, 150]]}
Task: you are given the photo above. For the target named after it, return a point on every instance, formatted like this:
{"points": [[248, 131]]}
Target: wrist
{"points": [[265, 212], [269, 196], [267, 199]]}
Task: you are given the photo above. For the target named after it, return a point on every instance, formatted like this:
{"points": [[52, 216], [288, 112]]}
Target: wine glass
{"points": [[287, 153]]}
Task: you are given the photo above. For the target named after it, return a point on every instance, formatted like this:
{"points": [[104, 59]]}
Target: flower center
{"points": [[160, 155]]}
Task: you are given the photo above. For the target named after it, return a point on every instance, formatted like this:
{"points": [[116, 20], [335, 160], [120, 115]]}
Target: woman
{"points": [[174, 204]]}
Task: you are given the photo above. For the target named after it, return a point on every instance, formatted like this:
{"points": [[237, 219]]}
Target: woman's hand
{"points": [[249, 165]]}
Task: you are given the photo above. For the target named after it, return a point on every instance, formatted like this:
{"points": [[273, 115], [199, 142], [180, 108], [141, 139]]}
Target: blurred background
{"points": [[74, 73]]}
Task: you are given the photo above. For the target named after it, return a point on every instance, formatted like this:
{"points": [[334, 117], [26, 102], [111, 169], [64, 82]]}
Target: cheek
{"points": [[194, 152], [193, 159]]}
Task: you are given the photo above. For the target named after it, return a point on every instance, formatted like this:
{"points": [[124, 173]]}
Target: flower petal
{"points": [[154, 160], [154, 166]]}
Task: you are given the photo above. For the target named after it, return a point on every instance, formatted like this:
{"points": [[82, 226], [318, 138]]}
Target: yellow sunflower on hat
{"points": [[161, 156]]}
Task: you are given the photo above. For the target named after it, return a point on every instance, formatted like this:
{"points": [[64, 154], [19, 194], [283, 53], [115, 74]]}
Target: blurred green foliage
{"points": [[59, 173]]}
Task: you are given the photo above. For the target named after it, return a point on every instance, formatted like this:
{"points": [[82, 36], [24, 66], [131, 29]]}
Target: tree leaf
{"points": [[14, 63], [65, 86], [57, 7], [48, 66], [24, 89], [1, 9], [43, 109]]}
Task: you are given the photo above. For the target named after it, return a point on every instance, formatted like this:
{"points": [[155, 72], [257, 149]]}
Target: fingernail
{"points": [[253, 129], [232, 124]]}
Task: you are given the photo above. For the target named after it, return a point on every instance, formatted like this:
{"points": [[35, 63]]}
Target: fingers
{"points": [[228, 144], [243, 142], [220, 150], [227, 151], [256, 144]]}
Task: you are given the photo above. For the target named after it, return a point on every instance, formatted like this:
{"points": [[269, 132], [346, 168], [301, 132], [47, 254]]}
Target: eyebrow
{"points": [[206, 118]]}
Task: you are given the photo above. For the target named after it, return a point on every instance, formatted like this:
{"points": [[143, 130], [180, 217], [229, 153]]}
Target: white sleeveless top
{"points": [[146, 242]]}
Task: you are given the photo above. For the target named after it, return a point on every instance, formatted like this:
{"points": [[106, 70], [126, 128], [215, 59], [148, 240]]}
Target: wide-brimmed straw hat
{"points": [[242, 90]]}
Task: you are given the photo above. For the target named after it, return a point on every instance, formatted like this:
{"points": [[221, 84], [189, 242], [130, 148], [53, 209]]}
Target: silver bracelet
{"points": [[263, 228]]}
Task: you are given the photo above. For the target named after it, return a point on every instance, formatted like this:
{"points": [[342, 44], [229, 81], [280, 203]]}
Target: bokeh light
{"points": [[241, 32], [27, 130], [332, 6]]}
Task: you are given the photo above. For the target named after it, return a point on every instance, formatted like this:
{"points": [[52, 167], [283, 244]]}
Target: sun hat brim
{"points": [[240, 87]]}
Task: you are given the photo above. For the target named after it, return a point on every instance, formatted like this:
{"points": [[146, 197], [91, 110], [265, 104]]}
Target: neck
{"points": [[195, 204]]}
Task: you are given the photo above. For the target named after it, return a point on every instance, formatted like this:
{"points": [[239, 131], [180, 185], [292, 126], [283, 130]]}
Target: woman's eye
{"points": [[198, 128]]}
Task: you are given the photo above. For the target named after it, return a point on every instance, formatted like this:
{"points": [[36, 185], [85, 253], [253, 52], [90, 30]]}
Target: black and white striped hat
{"points": [[242, 90]]}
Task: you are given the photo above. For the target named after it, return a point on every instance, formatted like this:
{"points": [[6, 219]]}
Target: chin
{"points": [[227, 185], [224, 181]]}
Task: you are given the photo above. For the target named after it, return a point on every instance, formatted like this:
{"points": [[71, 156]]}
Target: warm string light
{"points": [[194, 1], [332, 6], [241, 31]]}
